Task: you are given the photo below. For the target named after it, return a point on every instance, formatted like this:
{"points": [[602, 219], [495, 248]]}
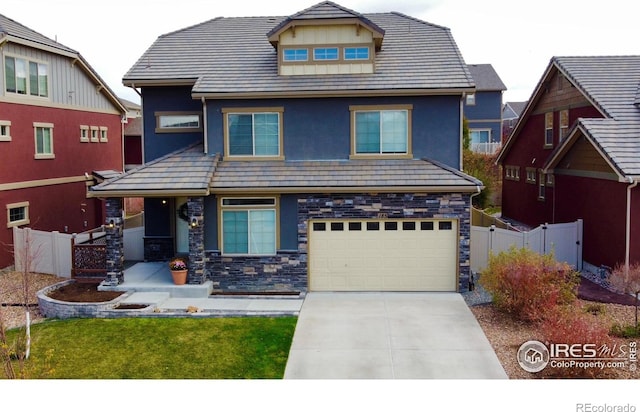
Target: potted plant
{"points": [[178, 269]]}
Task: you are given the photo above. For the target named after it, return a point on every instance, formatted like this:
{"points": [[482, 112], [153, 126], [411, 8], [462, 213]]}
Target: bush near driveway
{"points": [[529, 285]]}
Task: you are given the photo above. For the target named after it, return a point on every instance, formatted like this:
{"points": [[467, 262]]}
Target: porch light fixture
{"points": [[194, 222], [112, 223]]}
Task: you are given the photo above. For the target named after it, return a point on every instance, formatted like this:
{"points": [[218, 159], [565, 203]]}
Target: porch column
{"points": [[196, 274], [115, 243]]}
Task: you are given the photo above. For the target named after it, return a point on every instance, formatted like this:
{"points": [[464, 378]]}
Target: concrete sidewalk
{"points": [[390, 336]]}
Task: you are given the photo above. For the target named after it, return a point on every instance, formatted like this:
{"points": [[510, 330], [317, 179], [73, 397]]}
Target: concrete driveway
{"points": [[346, 335]]}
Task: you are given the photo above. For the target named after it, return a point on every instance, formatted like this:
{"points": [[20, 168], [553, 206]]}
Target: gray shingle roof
{"points": [[9, 27], [187, 171], [339, 175], [233, 55], [486, 78], [191, 172]]}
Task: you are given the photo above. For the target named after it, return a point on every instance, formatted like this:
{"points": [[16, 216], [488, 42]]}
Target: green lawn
{"points": [[168, 348]]}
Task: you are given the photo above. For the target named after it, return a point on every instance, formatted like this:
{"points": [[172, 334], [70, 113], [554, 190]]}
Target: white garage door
{"points": [[383, 255]]}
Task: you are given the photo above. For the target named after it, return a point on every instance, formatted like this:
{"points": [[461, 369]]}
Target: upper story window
{"points": [[356, 53], [548, 129], [103, 134], [295, 55], [384, 131], [5, 131], [325, 53], [26, 77], [178, 122], [43, 140], [84, 133], [17, 214], [564, 123], [253, 132]]}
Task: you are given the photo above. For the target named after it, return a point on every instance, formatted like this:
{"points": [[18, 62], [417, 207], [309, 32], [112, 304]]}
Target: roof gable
{"points": [[19, 33], [609, 83], [486, 78], [326, 12]]}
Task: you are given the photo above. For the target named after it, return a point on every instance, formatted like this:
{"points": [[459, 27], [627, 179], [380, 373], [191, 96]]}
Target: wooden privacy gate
{"points": [[89, 258], [564, 240]]}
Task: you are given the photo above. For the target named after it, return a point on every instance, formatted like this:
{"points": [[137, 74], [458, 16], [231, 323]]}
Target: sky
{"points": [[517, 38]]}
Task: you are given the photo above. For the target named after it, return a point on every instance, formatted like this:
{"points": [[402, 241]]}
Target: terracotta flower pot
{"points": [[179, 276]]}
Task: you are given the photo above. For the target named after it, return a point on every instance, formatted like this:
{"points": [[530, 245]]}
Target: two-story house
{"points": [[318, 151], [59, 122], [574, 154], [483, 109]]}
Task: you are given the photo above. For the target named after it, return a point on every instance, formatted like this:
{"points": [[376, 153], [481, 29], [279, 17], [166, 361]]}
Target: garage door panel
{"points": [[406, 259]]}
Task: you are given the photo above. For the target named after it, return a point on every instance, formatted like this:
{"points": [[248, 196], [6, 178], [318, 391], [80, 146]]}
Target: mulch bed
{"points": [[82, 292], [591, 291]]}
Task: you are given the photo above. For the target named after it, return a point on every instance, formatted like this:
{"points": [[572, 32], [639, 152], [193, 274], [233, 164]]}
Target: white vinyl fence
{"points": [[50, 252], [563, 239]]}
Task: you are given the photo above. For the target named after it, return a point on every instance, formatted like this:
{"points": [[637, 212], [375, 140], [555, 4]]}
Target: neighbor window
{"points": [[26, 77], [94, 134], [43, 140], [103, 134], [548, 132], [295, 55], [564, 123], [249, 226], [84, 133], [356, 53], [531, 175], [541, 185], [17, 214], [178, 122], [253, 133], [5, 131], [512, 173], [325, 53], [385, 131]]}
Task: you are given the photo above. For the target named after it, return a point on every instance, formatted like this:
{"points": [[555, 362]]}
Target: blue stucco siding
{"points": [[319, 129], [488, 106], [166, 99]]}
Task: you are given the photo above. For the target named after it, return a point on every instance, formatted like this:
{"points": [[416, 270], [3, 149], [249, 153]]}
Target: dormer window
{"points": [[325, 53], [295, 55], [356, 53]]}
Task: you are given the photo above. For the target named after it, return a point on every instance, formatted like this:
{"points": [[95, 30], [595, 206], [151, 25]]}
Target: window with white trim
{"points": [[356, 53], [512, 173], [325, 53], [5, 131], [253, 132], [103, 134], [384, 131], [249, 226], [178, 122], [17, 214], [541, 185], [26, 77], [94, 134], [470, 99], [43, 133], [531, 175], [295, 55]]}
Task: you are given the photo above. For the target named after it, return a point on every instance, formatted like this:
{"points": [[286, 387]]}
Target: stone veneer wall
{"points": [[287, 271]]}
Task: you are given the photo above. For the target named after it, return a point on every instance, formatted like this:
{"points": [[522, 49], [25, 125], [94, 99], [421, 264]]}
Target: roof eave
{"points": [[331, 93], [148, 193], [348, 189]]}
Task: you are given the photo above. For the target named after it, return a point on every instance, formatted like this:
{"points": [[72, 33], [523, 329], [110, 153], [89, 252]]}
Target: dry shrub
{"points": [[570, 326], [529, 285], [627, 280]]}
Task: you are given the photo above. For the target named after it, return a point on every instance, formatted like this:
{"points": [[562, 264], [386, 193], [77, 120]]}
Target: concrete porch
{"points": [[156, 277]]}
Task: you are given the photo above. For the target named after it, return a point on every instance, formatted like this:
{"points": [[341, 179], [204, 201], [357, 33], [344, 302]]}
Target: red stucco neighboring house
{"points": [[59, 123], [575, 154]]}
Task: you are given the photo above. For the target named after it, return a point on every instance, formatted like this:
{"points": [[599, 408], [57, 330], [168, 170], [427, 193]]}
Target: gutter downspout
{"points": [[632, 183], [204, 125]]}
